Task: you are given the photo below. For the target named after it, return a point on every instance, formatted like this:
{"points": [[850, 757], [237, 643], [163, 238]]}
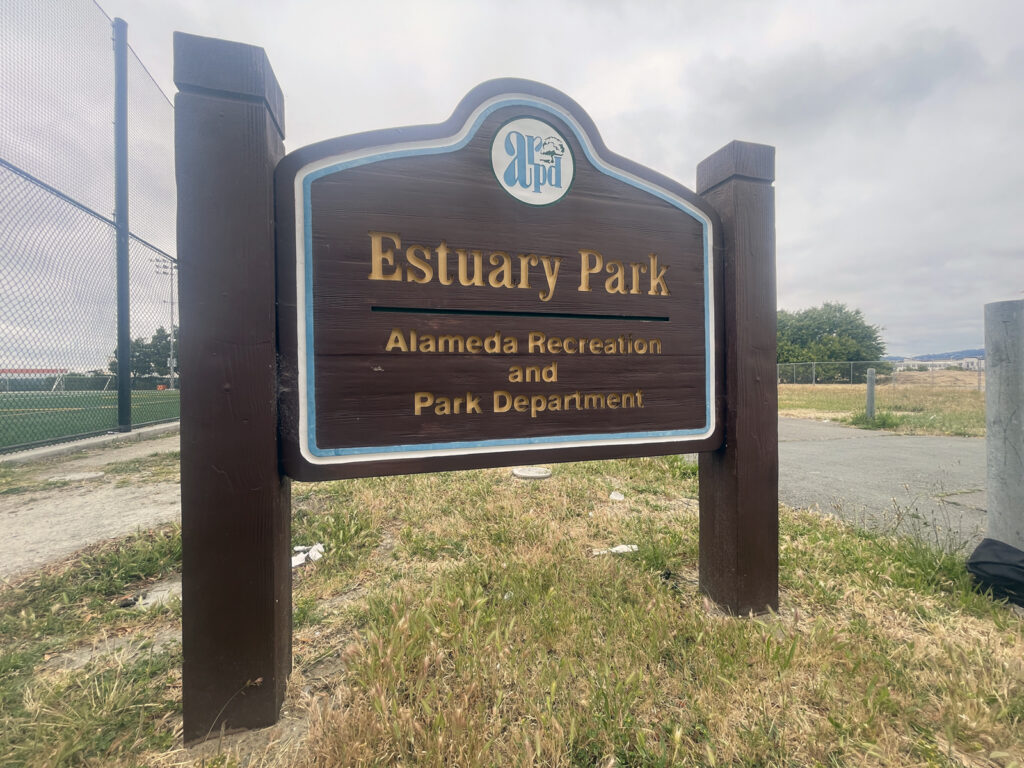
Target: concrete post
{"points": [[1004, 420], [870, 407]]}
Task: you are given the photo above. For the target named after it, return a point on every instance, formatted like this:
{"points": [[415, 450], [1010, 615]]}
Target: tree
{"points": [[148, 357], [831, 332]]}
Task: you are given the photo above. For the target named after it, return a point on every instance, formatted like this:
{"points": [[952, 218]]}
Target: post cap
{"points": [[209, 65], [742, 159]]}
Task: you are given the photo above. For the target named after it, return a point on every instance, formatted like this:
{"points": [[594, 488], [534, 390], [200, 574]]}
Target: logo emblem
{"points": [[532, 161]]}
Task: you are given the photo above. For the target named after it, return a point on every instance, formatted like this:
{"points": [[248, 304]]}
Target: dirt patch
{"points": [[43, 521], [124, 647], [40, 527]]}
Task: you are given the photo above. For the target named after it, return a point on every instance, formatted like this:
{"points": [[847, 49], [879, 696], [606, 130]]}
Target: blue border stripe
{"points": [[309, 178]]}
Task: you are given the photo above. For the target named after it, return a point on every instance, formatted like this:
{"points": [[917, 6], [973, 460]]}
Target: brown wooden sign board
{"points": [[495, 289], [499, 288]]}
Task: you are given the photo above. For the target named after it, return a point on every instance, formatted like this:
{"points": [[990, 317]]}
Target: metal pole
{"points": [[814, 376], [124, 333], [1004, 427], [870, 406]]}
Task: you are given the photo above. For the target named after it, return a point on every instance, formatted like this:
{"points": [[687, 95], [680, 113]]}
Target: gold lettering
{"points": [[550, 372], [521, 403], [550, 274], [502, 401], [418, 257], [595, 346], [379, 256], [502, 276], [442, 263], [586, 270], [422, 400], [538, 403], [474, 344], [451, 344], [657, 278], [535, 342], [613, 399], [515, 374], [638, 268], [396, 341], [617, 282], [526, 260], [478, 267], [593, 400]]}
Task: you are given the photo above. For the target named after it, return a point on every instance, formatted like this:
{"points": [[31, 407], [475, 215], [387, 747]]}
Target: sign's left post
{"points": [[235, 505]]}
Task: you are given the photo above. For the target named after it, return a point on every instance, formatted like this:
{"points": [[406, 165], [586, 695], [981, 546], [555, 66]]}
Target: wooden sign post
{"points": [[496, 289]]}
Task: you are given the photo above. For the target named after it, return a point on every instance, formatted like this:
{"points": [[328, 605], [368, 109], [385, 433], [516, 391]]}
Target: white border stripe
{"points": [[304, 317]]}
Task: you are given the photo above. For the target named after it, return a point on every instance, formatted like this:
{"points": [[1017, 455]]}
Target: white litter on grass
{"points": [[616, 496], [307, 554], [532, 473], [75, 477], [621, 549]]}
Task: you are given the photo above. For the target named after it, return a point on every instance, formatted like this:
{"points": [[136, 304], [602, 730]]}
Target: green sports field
{"points": [[37, 417]]}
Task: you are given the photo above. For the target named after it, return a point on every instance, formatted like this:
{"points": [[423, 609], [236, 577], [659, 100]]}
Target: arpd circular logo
{"points": [[532, 161]]}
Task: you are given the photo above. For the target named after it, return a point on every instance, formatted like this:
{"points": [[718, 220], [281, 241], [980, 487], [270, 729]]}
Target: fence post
{"points": [[814, 376], [235, 505], [124, 331], [870, 406], [739, 483], [1004, 420]]}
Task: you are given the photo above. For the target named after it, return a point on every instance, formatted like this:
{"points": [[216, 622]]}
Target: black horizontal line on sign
{"points": [[500, 313]]}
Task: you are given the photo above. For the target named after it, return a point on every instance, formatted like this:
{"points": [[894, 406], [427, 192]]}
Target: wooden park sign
{"points": [[496, 289]]}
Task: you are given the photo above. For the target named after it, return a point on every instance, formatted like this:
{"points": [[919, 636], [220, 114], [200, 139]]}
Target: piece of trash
{"points": [[507, 596], [532, 473], [75, 477], [126, 602], [308, 554], [616, 496], [621, 549]]}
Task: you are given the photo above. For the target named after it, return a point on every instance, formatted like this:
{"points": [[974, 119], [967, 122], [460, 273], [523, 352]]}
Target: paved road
{"points": [[928, 486]]}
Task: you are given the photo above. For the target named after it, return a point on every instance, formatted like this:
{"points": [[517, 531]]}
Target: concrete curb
{"points": [[113, 438]]}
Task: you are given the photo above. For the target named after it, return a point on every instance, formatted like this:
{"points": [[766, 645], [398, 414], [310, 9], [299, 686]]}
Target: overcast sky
{"points": [[896, 124]]}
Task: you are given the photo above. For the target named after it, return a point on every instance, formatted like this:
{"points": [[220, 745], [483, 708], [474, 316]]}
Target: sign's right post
{"points": [[739, 482]]}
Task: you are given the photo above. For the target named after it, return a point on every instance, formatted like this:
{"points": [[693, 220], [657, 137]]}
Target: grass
{"points": [[920, 410], [461, 619], [35, 417]]}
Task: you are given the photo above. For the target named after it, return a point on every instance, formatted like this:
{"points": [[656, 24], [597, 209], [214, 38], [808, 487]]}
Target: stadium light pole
{"points": [[168, 267]]}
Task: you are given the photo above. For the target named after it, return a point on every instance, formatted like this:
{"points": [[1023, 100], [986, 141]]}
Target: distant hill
{"points": [[958, 355]]}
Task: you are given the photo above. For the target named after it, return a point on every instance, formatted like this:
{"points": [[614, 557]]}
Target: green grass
{"points": [[32, 417], [461, 619], [908, 409]]}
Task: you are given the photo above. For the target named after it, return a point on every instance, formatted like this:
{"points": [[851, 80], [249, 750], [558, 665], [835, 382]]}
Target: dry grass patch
{"points": [[905, 408], [461, 619]]}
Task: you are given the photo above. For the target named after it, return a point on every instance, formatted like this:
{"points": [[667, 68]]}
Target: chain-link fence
{"points": [[61, 338], [955, 374]]}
